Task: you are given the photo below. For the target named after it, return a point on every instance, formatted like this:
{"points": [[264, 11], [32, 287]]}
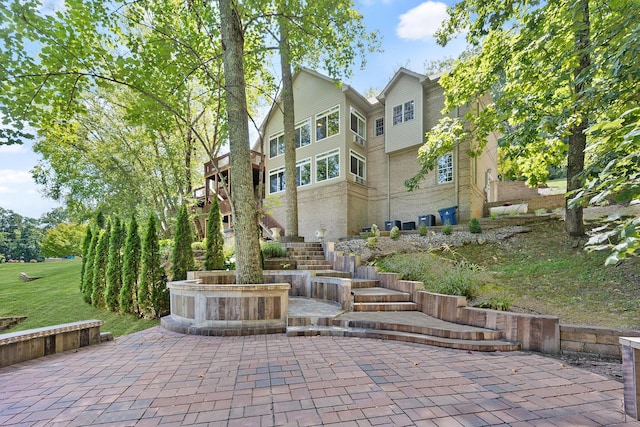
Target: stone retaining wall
{"points": [[593, 340]]}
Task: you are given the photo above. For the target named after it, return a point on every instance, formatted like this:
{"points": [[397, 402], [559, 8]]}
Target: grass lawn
{"points": [[56, 298], [547, 272]]}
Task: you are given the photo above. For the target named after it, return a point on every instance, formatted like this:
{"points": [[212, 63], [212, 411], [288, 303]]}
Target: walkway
{"points": [[156, 377]]}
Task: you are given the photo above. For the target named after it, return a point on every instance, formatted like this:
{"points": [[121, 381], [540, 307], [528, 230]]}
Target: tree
{"points": [[20, 237], [114, 265], [87, 278], [543, 68], [214, 258], [86, 244], [182, 251], [100, 267], [65, 240], [152, 288], [130, 269]]}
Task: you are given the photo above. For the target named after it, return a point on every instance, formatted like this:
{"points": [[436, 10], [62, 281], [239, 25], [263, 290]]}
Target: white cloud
{"points": [[14, 177], [421, 22], [13, 149]]}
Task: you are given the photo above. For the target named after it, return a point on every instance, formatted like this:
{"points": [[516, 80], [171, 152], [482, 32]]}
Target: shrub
{"points": [[198, 246], [273, 250], [100, 268], [130, 269], [474, 226], [394, 233], [423, 230], [87, 278], [500, 303], [153, 295], [215, 256], [447, 229], [182, 252], [86, 244], [371, 242], [114, 266]]}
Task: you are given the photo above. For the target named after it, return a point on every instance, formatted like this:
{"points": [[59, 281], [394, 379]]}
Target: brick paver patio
{"points": [[156, 377]]}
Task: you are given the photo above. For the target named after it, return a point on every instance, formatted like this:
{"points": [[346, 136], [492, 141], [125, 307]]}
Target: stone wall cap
{"points": [[630, 341], [29, 334]]}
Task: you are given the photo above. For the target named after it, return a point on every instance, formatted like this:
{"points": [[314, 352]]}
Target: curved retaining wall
{"points": [[227, 309]]}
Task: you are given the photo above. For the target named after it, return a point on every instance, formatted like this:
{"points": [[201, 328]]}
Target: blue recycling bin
{"points": [[448, 215]]}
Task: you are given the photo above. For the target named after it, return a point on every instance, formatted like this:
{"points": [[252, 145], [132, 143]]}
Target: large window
{"points": [[359, 126], [303, 172], [303, 133], [357, 166], [403, 112], [328, 123], [328, 165], [379, 126], [445, 169], [276, 180], [276, 145]]}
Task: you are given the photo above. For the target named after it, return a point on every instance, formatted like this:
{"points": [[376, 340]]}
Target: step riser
{"points": [[381, 298], [315, 267], [338, 274], [359, 284], [422, 330], [385, 307]]}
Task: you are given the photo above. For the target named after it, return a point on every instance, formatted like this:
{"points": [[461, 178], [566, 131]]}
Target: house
{"points": [[354, 154]]}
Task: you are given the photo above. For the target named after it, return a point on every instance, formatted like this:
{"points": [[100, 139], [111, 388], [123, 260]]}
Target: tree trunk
{"points": [[578, 138], [245, 222], [291, 189]]}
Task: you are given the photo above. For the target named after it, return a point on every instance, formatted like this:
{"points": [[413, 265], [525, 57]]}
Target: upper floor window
{"points": [[445, 168], [328, 165], [303, 133], [359, 126], [303, 172], [276, 180], [357, 166], [379, 126], [276, 145], [328, 123], [403, 112]]}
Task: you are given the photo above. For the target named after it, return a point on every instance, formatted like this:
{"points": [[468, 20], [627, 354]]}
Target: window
{"points": [[445, 169], [358, 166], [328, 123], [328, 165], [408, 111], [303, 172], [359, 126], [276, 180], [379, 127], [276, 145], [303, 133], [397, 115], [403, 112]]}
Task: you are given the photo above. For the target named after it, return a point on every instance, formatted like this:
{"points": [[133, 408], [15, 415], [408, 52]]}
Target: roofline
{"points": [[402, 71]]}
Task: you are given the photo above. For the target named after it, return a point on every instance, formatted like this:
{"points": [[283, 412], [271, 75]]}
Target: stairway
{"points": [[308, 256], [383, 313]]}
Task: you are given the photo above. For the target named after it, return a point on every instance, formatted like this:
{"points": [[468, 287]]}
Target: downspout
{"points": [[388, 188], [457, 167]]}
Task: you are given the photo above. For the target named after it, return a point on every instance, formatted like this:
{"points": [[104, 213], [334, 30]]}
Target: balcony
{"points": [[223, 163]]}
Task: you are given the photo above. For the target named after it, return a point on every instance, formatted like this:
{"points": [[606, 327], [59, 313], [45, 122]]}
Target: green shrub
{"points": [[198, 246], [423, 230], [394, 233], [447, 229], [114, 266], [100, 268], [182, 252], [86, 244], [87, 278], [153, 295], [375, 231], [371, 242], [500, 303], [273, 250], [215, 255], [130, 269], [474, 226]]}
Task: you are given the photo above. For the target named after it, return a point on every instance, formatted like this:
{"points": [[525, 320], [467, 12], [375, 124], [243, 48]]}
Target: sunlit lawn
{"points": [[56, 298]]}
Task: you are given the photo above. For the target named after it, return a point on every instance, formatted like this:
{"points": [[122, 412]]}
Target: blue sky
{"points": [[406, 27]]}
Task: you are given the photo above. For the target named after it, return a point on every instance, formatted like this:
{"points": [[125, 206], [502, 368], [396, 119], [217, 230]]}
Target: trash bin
{"points": [[409, 225], [448, 215], [428, 220], [388, 225]]}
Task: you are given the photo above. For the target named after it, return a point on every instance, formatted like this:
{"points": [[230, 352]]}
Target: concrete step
{"points": [[305, 253], [308, 257], [385, 306], [468, 345], [416, 323], [332, 273], [313, 262], [378, 294], [364, 283], [303, 266]]}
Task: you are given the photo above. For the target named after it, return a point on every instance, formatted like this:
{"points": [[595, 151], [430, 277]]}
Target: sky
{"points": [[406, 27]]}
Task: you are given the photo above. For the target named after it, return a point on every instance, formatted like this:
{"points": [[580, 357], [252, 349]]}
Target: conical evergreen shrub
{"points": [[214, 258], [182, 251], [130, 269], [114, 266], [100, 268], [86, 244], [152, 293], [87, 278]]}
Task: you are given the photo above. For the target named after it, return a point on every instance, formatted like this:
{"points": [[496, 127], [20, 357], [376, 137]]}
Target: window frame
{"points": [[279, 138], [361, 124], [325, 115], [325, 157], [363, 160], [397, 115], [298, 132], [445, 170], [404, 112], [298, 170], [279, 172], [379, 129]]}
